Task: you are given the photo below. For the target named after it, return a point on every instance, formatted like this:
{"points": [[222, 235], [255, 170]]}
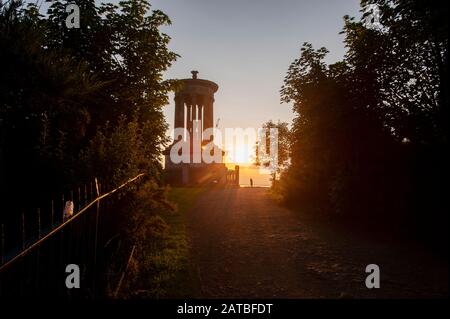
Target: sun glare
{"points": [[239, 154]]}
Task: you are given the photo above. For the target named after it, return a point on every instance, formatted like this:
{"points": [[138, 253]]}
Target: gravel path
{"points": [[245, 245]]}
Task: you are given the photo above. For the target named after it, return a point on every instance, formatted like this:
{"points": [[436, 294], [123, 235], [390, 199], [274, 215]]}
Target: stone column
{"points": [[188, 119], [193, 112], [208, 113], [179, 111], [190, 122], [200, 119]]}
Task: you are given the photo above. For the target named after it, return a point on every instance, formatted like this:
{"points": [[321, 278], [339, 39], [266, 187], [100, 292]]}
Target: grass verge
{"points": [[163, 265], [185, 280]]}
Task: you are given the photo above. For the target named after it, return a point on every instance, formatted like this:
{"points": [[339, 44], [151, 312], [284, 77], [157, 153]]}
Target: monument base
{"points": [[196, 174]]}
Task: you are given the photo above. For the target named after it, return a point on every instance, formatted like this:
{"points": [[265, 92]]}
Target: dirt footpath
{"points": [[245, 245]]}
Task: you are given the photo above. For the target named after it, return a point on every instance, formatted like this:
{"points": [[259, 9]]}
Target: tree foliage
{"points": [[370, 131], [79, 103], [274, 154]]}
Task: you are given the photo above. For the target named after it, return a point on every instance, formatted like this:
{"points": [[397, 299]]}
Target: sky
{"points": [[246, 47]]}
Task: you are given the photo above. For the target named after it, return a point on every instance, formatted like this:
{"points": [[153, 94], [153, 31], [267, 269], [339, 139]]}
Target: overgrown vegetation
{"points": [[161, 266], [78, 103], [370, 136], [87, 102]]}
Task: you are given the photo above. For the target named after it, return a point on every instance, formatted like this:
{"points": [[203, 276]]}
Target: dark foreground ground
{"points": [[245, 245]]}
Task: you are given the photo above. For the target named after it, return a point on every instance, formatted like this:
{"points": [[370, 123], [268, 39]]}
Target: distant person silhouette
{"points": [[251, 182]]}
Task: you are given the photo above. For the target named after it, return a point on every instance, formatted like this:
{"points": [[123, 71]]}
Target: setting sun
{"points": [[241, 153]]}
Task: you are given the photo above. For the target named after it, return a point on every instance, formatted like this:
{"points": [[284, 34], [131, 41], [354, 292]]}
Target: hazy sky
{"points": [[246, 46]]}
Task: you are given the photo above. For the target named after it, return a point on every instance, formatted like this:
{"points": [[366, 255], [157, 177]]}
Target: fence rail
{"points": [[75, 238]]}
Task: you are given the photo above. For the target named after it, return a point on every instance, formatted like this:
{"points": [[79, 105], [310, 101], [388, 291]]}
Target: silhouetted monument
{"points": [[195, 102]]}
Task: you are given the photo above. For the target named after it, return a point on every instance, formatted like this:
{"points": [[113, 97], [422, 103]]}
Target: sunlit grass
{"points": [[173, 273]]}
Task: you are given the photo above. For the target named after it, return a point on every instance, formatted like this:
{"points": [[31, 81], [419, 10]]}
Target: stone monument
{"points": [[194, 112]]}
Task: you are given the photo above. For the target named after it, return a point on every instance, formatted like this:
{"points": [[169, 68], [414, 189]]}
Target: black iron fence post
{"points": [[56, 242]]}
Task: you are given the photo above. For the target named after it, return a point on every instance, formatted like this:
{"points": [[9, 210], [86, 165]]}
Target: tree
{"points": [[43, 106], [276, 137], [414, 78], [370, 131], [73, 100], [125, 48]]}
